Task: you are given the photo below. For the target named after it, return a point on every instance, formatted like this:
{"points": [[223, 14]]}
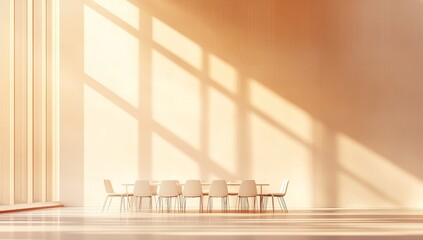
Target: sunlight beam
{"points": [[123, 9], [177, 43], [382, 179], [176, 99], [276, 154], [171, 163], [222, 130], [223, 73], [106, 156], [111, 56], [289, 116]]}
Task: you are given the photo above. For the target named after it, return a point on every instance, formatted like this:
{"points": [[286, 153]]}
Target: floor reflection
{"points": [[89, 223]]}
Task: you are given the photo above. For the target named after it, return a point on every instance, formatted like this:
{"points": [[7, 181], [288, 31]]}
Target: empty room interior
{"points": [[205, 119]]}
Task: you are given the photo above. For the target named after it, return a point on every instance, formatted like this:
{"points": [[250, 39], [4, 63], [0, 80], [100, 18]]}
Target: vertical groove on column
{"points": [[37, 106], [12, 105], [44, 100], [39, 111], [20, 98], [30, 100], [49, 101], [52, 39]]}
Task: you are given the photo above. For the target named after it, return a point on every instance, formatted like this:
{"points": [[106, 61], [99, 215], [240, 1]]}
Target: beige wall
{"points": [[324, 93]]}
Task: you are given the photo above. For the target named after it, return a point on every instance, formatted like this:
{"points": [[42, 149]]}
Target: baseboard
{"points": [[29, 206]]}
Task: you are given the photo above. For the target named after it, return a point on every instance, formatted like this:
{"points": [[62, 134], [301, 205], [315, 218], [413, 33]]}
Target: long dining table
{"points": [[235, 183]]}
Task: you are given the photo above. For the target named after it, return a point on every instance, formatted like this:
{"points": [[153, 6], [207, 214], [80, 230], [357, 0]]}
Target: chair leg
{"points": [[128, 201], [283, 204], [169, 204], [226, 202], [243, 204], [156, 201], [133, 198], [104, 204], [261, 203], [201, 204], [122, 200], [263, 200], [110, 202], [208, 204]]}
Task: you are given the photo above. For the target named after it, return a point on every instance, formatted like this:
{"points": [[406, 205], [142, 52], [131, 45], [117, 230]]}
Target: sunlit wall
{"points": [[323, 93]]}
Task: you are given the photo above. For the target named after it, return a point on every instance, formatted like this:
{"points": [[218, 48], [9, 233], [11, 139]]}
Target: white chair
{"points": [[192, 189], [218, 189], [111, 194], [167, 190], [142, 189], [247, 189], [280, 196]]}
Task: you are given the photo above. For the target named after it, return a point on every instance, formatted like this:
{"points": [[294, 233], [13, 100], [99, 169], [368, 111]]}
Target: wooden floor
{"points": [[89, 223]]}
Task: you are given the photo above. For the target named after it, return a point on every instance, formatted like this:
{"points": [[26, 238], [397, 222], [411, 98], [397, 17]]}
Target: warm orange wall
{"points": [[324, 93]]}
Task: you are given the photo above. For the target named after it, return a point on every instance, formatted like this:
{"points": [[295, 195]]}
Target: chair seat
{"points": [[120, 194], [265, 194]]}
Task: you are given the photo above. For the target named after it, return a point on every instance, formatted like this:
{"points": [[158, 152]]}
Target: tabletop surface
{"points": [[229, 183]]}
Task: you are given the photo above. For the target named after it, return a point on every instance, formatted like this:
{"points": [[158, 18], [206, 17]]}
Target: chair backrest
{"points": [[108, 186], [248, 188], [284, 187], [192, 188], [218, 188], [142, 188], [168, 188]]}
